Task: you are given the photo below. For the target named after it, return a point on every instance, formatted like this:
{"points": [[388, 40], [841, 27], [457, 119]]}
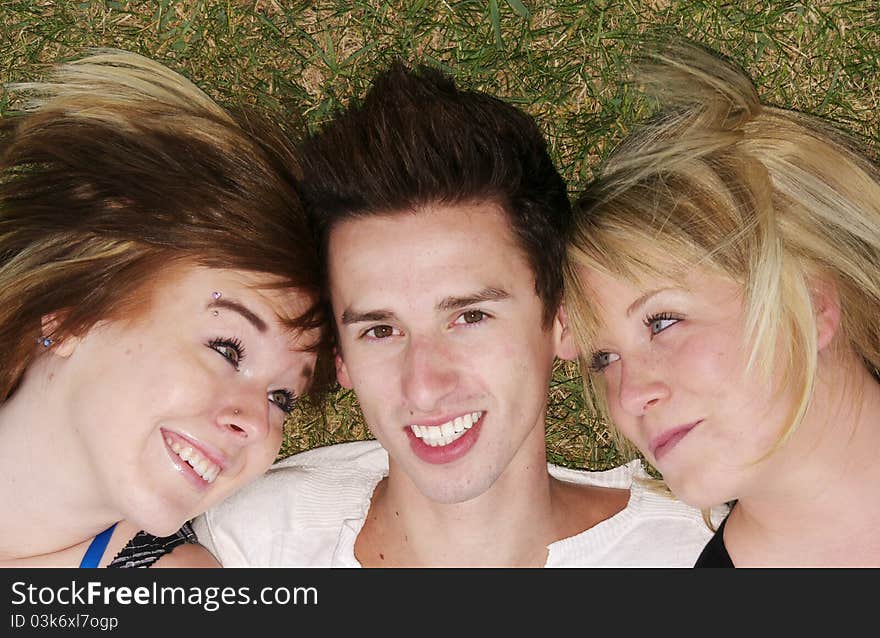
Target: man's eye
{"points": [[659, 323], [602, 360], [230, 349], [284, 399], [379, 332], [471, 316]]}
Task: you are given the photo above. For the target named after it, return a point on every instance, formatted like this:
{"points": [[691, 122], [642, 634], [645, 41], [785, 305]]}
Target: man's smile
{"points": [[447, 432]]}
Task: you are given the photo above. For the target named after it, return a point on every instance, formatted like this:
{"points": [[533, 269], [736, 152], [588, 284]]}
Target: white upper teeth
{"points": [[445, 434], [203, 467]]}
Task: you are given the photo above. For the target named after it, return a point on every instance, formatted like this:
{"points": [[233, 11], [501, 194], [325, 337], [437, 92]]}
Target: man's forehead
{"points": [[443, 213], [385, 235], [442, 257]]}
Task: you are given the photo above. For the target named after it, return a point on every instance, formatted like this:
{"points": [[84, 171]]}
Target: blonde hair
{"points": [[769, 198], [117, 169]]}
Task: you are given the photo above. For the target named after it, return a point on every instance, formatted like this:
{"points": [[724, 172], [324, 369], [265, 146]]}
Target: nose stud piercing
{"points": [[236, 411]]}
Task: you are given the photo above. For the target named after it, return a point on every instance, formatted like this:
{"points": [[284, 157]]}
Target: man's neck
{"points": [[510, 525]]}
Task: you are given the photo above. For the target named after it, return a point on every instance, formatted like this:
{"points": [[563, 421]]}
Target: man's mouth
{"points": [[446, 433]]}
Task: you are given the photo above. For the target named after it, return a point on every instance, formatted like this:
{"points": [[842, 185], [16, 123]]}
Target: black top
{"points": [[715, 554], [145, 549]]}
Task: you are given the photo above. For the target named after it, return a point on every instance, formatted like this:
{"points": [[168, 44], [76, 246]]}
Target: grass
{"points": [[562, 61]]}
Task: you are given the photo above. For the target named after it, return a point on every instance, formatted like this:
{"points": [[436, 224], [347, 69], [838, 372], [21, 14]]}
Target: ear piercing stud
{"points": [[44, 341], [216, 295]]}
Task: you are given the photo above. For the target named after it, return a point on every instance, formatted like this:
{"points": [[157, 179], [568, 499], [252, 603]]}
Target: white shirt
{"points": [[308, 509]]}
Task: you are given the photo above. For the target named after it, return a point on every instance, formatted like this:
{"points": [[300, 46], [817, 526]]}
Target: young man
{"points": [[442, 221]]}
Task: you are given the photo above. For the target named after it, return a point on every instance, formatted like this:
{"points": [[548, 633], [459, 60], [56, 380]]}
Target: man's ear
{"points": [[826, 306], [565, 345], [341, 370], [58, 344]]}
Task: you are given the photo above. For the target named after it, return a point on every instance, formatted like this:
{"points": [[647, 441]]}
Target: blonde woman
{"points": [[723, 283], [158, 312]]}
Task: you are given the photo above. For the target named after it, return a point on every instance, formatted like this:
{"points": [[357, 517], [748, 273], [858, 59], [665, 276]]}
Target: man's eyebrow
{"points": [[244, 311], [641, 301], [486, 294], [350, 316]]}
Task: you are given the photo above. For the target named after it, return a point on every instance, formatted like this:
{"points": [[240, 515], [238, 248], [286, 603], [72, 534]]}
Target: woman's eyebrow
{"points": [[244, 311], [641, 301]]}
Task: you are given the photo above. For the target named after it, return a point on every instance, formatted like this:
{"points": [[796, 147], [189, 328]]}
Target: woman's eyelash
{"points": [[649, 319], [233, 351], [284, 399], [601, 360], [661, 321], [657, 323], [230, 349]]}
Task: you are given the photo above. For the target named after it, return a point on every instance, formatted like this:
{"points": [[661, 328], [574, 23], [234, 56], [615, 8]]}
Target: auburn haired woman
{"points": [[158, 311]]}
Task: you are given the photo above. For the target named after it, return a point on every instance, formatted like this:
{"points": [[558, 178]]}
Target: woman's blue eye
{"points": [[659, 323], [230, 349], [284, 399], [602, 360]]}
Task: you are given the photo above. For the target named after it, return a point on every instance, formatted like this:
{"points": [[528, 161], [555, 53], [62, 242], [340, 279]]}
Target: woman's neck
{"points": [[49, 502], [818, 503]]}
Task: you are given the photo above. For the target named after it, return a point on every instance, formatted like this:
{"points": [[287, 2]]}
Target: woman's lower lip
{"points": [[441, 454], [666, 447]]}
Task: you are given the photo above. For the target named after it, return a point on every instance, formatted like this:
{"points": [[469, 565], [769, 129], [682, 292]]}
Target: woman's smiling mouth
{"points": [[197, 463]]}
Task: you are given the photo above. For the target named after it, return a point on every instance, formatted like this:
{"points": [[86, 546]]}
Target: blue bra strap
{"points": [[96, 549]]}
